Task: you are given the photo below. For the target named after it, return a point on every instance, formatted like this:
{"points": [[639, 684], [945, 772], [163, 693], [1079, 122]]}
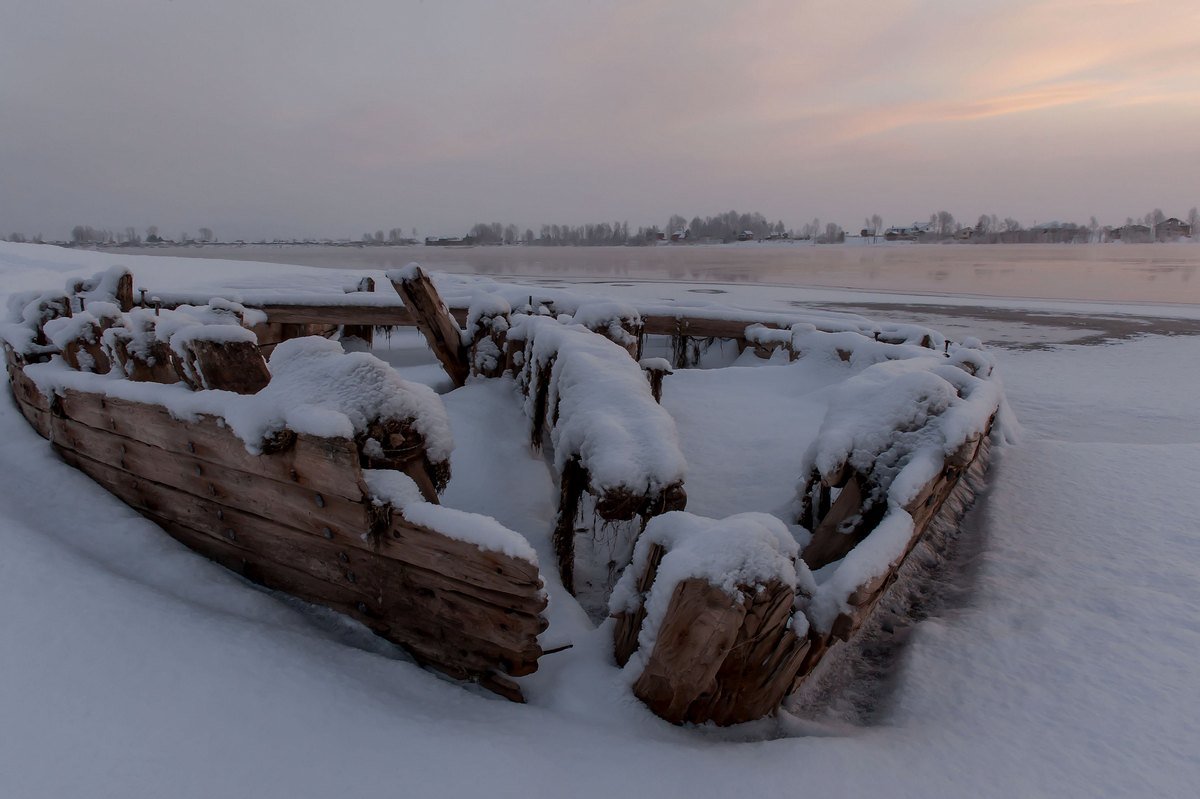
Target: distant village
{"points": [[726, 228]]}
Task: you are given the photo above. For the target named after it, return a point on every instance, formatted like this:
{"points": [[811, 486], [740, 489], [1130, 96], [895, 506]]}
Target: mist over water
{"points": [[1138, 273]]}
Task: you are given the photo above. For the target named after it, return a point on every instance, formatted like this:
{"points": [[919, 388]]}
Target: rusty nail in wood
{"points": [[327, 532]]}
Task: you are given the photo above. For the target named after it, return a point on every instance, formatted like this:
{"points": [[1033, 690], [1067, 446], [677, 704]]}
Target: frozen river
{"points": [[1145, 273]]}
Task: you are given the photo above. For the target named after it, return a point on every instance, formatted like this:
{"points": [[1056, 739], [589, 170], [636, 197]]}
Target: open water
{"points": [[1134, 273]]}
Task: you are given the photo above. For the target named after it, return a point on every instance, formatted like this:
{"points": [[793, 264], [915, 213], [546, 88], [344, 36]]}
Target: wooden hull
{"points": [[298, 520]]}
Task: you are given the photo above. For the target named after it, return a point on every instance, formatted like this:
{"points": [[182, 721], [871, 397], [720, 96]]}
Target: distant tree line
{"points": [[728, 226], [724, 227], [394, 237]]}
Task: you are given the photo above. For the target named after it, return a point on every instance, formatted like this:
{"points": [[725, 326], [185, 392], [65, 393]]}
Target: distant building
{"points": [[910, 233], [449, 241], [1172, 228], [1132, 233]]}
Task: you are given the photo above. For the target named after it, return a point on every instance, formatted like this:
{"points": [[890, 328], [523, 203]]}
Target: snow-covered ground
{"points": [[1060, 661]]}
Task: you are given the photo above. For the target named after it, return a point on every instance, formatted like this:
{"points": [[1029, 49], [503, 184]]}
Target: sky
{"points": [[289, 118]]}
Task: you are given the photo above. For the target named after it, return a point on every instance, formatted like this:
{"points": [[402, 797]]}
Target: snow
{"points": [[606, 416], [357, 387], [66, 329], [397, 489], [316, 388], [1060, 662], [746, 551]]}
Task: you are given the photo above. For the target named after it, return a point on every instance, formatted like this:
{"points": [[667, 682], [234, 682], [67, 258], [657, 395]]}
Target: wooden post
{"points": [[85, 352], [489, 345], [124, 296], [655, 370], [362, 332], [235, 366], [721, 658], [434, 321]]}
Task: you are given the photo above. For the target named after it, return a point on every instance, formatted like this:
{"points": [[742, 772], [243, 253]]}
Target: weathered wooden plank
{"points": [[694, 638], [295, 505], [925, 508], [327, 465], [440, 646], [235, 366], [461, 560], [761, 664], [332, 558], [25, 389], [847, 521], [311, 466], [697, 327], [374, 315], [434, 321], [38, 419], [393, 592]]}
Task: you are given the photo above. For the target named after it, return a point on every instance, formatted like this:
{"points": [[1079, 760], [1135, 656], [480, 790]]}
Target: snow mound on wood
{"points": [[397, 489], [323, 390], [316, 389], [741, 552], [896, 422], [600, 407]]}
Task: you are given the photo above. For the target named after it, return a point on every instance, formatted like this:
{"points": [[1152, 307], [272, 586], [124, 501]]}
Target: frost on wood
{"points": [[486, 334], [596, 404], [616, 450]]}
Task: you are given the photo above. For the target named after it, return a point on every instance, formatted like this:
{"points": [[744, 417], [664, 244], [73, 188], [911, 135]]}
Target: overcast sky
{"points": [[333, 118]]}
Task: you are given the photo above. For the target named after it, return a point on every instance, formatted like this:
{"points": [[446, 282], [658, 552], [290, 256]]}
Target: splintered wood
{"points": [[434, 321]]}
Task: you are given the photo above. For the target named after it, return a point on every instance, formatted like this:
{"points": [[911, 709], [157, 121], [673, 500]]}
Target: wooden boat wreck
{"points": [[318, 472]]}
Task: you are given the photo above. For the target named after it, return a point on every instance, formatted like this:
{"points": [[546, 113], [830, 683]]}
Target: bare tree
{"points": [[945, 224], [206, 234], [1194, 222]]}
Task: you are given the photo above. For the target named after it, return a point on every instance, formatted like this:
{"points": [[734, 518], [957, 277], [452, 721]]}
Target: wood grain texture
{"points": [[436, 324]]}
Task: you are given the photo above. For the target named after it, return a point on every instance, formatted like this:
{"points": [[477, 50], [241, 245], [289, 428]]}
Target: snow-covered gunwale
{"points": [[318, 472]]}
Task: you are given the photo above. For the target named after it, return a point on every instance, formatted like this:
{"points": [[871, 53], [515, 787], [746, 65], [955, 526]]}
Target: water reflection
{"points": [[1159, 273]]}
